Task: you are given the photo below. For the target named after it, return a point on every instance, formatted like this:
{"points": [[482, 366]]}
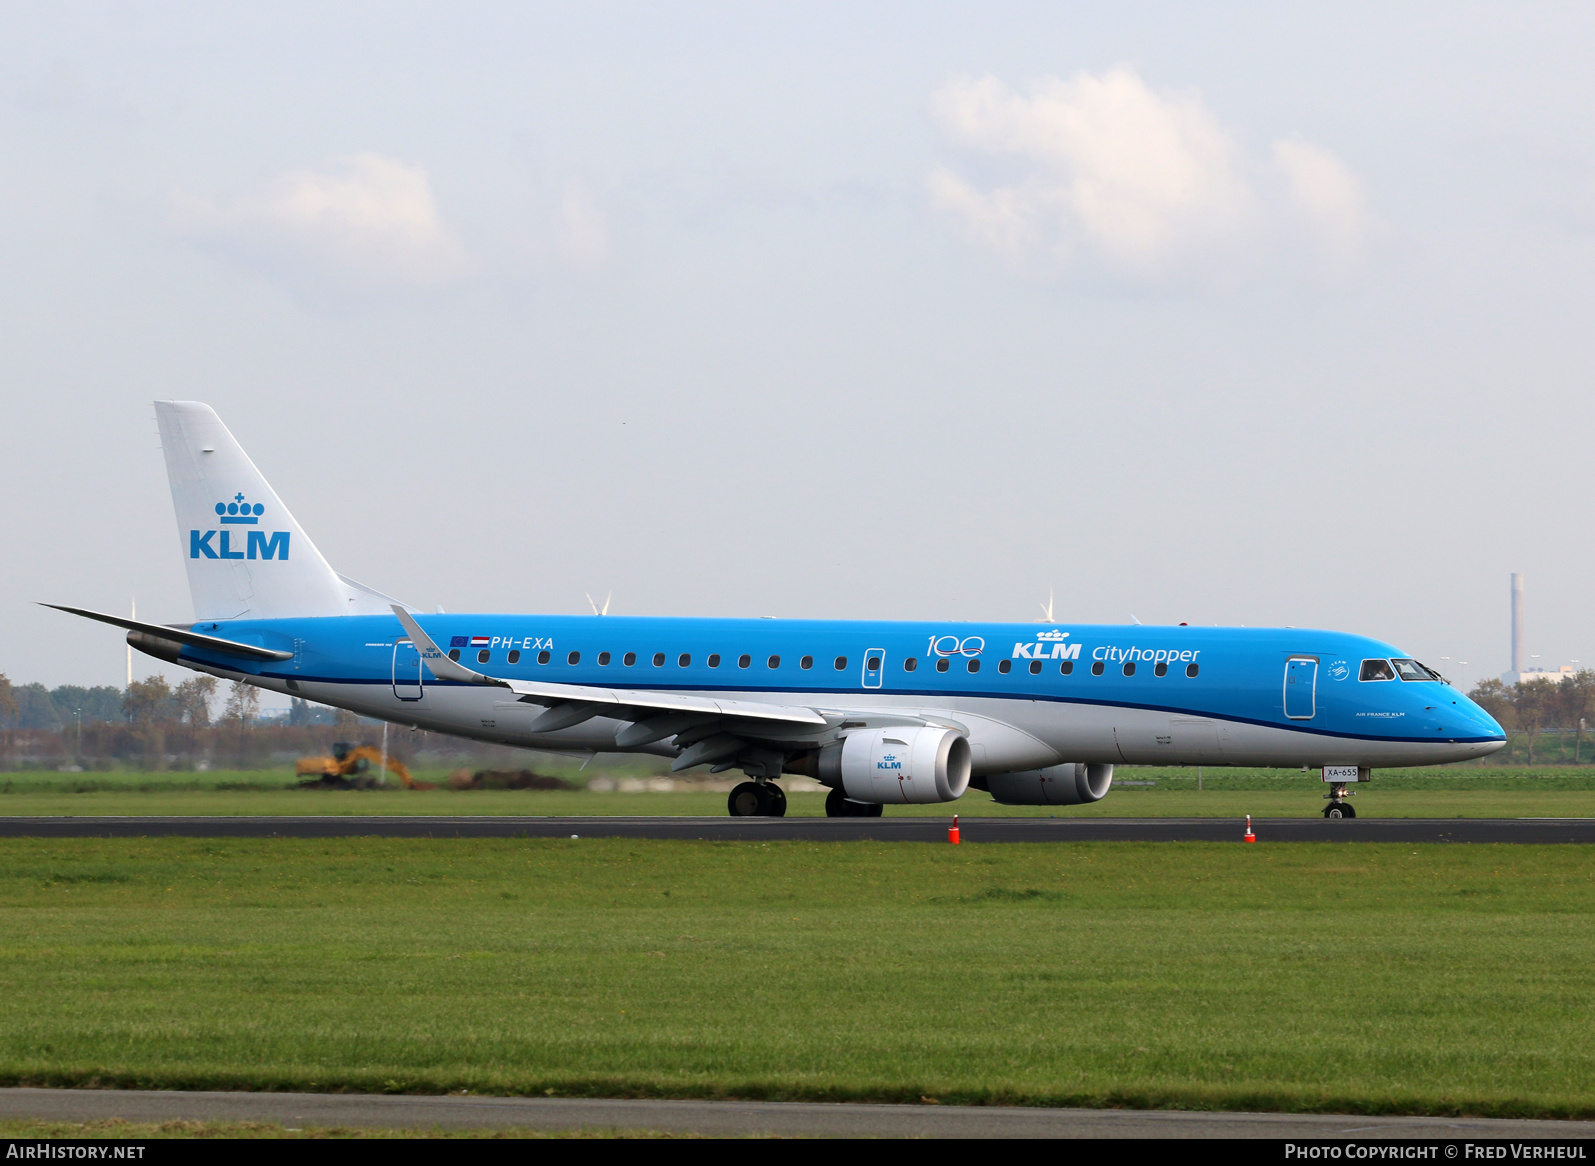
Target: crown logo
{"points": [[1053, 636], [238, 512]]}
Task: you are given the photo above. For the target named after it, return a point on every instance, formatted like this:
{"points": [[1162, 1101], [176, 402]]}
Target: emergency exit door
{"points": [[874, 661], [1301, 687]]}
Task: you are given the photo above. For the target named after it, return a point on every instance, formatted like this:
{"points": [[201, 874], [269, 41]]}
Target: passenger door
{"points": [[407, 683], [1301, 687]]}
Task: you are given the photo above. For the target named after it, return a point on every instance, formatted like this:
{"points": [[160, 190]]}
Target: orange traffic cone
{"points": [[1250, 837], [952, 834]]}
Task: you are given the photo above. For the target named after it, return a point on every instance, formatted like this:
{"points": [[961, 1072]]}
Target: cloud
{"points": [[581, 237], [1102, 172], [365, 219], [1328, 201]]}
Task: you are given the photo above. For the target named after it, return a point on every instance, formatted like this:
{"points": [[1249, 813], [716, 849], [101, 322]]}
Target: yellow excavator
{"points": [[347, 766]]}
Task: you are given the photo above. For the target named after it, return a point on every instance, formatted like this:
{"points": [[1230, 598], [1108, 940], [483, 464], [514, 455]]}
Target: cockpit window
{"points": [[1412, 670], [1376, 670]]}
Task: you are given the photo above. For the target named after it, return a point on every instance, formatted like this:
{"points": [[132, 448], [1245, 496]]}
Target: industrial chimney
{"points": [[1517, 626]]}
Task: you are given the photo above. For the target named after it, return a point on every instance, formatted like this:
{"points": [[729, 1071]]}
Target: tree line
{"points": [[155, 725], [1532, 707], [154, 700]]}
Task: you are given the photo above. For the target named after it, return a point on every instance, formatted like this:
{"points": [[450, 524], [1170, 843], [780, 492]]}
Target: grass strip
{"points": [[1347, 977], [115, 1129]]}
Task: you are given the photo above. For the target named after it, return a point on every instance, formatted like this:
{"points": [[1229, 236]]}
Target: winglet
{"points": [[436, 659]]}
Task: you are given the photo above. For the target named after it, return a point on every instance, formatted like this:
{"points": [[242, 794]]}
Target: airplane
{"points": [[880, 713]]}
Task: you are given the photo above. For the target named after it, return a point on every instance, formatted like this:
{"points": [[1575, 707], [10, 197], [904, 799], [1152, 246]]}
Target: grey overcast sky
{"points": [[1227, 313]]}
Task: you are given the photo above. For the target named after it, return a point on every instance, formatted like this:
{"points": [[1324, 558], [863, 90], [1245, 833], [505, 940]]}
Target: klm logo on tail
{"points": [[238, 513]]}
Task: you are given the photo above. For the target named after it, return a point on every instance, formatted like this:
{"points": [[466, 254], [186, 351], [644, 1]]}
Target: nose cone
{"points": [[1481, 725]]}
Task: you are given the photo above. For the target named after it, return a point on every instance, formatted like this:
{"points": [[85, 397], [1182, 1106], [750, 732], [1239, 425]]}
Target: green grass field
{"points": [[127, 1131], [1544, 792], [1348, 977]]}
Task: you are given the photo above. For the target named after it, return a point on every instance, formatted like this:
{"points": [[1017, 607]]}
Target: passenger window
{"points": [[1161, 668], [483, 656], [774, 661], [574, 658], [974, 665], [684, 660], [1035, 667], [908, 665], [1191, 670], [1129, 668], [1005, 666], [454, 654], [714, 660], [806, 662], [515, 656], [873, 664], [1376, 670], [628, 659], [941, 665], [603, 658], [744, 661], [542, 657], [659, 659], [1097, 669]]}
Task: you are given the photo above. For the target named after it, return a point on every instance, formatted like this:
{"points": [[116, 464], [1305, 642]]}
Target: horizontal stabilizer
{"points": [[179, 636]]}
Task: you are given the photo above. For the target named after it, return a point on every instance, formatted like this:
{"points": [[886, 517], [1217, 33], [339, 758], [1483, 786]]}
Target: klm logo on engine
{"points": [[218, 544], [889, 761], [1047, 646]]}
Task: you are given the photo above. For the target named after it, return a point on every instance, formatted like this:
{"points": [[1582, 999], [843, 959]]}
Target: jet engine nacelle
{"points": [[1071, 784], [898, 764]]}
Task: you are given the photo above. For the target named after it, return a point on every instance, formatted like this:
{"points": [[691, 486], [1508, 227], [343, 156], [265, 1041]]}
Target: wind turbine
{"points": [[1046, 609], [595, 607]]}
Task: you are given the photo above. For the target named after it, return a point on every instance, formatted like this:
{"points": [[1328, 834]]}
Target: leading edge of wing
{"points": [[446, 669]]}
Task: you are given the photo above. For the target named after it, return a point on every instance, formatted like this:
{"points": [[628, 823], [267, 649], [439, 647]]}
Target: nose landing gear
{"points": [[1338, 806]]}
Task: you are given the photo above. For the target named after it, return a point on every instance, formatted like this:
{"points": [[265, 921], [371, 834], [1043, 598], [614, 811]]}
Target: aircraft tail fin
{"points": [[247, 557]]}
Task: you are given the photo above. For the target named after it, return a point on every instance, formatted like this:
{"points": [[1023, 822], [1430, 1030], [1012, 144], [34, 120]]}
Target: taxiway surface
{"points": [[740, 1118], [885, 829]]}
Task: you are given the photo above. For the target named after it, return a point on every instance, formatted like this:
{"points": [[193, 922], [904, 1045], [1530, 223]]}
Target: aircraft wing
{"points": [[179, 635], [589, 700]]}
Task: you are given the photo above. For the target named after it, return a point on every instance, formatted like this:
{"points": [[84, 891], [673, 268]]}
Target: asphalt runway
{"points": [[885, 829], [735, 1118]]}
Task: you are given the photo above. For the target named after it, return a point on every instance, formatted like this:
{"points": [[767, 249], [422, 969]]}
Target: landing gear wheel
{"points": [[839, 805], [747, 800], [775, 800], [1339, 810], [753, 799]]}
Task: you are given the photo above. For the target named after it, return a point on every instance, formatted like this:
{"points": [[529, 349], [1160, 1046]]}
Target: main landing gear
{"points": [[1338, 806], [757, 799], [838, 805]]}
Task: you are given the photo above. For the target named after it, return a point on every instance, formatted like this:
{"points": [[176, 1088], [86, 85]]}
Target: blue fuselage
{"points": [[1031, 694]]}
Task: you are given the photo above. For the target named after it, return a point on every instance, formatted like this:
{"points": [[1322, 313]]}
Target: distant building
{"points": [[1557, 677], [1517, 674]]}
